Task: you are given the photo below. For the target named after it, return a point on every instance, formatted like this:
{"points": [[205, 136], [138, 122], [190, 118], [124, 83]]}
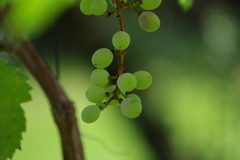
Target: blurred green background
{"points": [[192, 109]]}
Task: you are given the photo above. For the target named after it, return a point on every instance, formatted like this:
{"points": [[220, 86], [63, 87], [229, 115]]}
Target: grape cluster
{"points": [[114, 95], [102, 94], [147, 20]]}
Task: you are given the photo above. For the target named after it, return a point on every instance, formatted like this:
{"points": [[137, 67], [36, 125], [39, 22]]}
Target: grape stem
{"points": [[133, 7], [119, 14], [124, 5], [112, 77], [122, 28], [121, 53], [120, 7]]}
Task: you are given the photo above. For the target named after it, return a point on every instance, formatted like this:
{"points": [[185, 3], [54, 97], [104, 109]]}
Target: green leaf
{"points": [[185, 4], [13, 90], [32, 17]]}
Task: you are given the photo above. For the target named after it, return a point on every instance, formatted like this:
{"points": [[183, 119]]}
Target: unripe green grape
{"points": [[95, 94], [102, 58], [149, 21], [99, 77], [90, 114], [98, 7], [114, 4], [150, 4], [113, 102], [85, 7], [121, 40], [126, 82], [134, 96], [144, 79], [131, 107]]}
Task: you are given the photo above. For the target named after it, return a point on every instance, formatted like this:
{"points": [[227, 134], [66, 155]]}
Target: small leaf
{"points": [[185, 4], [13, 90]]}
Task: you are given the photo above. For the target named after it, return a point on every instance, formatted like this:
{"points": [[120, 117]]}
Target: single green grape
{"points": [[150, 4], [114, 4], [131, 107], [113, 102], [99, 77], [95, 94], [102, 58], [98, 7], [90, 114], [121, 40], [144, 79], [149, 21], [134, 96], [126, 82], [85, 7]]}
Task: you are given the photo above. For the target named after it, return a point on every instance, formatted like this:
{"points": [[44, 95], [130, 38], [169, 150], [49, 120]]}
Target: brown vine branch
{"points": [[62, 108]]}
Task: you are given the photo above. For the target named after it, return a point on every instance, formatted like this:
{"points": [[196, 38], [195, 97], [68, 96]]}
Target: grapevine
{"points": [[116, 95]]}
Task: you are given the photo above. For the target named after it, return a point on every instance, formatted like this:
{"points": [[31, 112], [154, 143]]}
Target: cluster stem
{"points": [[121, 53], [122, 28], [119, 15]]}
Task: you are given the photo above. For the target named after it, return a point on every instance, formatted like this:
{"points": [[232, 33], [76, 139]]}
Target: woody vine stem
{"points": [[63, 110]]}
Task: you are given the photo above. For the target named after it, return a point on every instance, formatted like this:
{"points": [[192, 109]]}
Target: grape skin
{"points": [[95, 94], [98, 7], [121, 40], [144, 79], [99, 77], [126, 82], [149, 21], [85, 7], [90, 114], [131, 107], [150, 4], [102, 58], [134, 96]]}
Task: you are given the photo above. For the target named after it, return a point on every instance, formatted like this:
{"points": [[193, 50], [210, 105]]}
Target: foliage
{"points": [[14, 90], [31, 18]]}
